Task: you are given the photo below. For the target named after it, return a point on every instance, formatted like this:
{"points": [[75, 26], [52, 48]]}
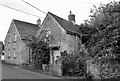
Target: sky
{"points": [[61, 8]]}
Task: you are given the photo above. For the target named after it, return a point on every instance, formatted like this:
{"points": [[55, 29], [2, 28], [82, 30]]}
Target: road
{"points": [[14, 72], [11, 72]]}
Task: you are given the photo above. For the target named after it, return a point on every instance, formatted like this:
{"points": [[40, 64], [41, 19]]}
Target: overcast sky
{"points": [[80, 8]]}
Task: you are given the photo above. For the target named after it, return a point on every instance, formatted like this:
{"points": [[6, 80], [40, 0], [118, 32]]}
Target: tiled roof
{"points": [[69, 26], [25, 28]]}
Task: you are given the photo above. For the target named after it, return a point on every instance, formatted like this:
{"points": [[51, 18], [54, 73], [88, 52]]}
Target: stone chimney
{"points": [[39, 22], [71, 18]]}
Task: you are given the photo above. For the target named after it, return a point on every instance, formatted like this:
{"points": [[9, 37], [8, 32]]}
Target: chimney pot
{"points": [[70, 12], [39, 22]]}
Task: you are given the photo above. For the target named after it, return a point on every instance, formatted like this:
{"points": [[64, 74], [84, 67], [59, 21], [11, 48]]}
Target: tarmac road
{"points": [[12, 72]]}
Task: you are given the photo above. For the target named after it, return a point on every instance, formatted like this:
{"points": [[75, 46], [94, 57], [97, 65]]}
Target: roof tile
{"points": [[25, 28]]}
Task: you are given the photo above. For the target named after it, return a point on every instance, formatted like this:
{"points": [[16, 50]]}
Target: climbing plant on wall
{"points": [[40, 52]]}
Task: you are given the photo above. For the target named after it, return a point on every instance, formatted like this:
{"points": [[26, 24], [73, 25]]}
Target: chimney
{"points": [[39, 22], [71, 18]]}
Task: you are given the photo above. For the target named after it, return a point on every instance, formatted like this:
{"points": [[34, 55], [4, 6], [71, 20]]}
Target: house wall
{"points": [[58, 36], [55, 31], [72, 44], [14, 47]]}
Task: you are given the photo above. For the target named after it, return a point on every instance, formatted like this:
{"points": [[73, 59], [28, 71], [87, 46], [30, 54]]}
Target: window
{"points": [[46, 40], [15, 38], [9, 38], [9, 56], [14, 52], [14, 55], [47, 32]]}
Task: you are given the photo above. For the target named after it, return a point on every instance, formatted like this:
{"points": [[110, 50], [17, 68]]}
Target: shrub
{"points": [[73, 66]]}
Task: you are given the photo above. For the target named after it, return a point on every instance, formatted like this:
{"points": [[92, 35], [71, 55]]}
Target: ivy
{"points": [[40, 52]]}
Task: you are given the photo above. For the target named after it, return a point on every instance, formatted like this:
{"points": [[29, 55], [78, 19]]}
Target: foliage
{"points": [[107, 39], [104, 15], [104, 45], [73, 65], [40, 52], [110, 68]]}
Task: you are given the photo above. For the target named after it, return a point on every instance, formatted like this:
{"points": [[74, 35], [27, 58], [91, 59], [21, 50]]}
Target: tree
{"points": [[104, 15], [108, 26], [104, 45]]}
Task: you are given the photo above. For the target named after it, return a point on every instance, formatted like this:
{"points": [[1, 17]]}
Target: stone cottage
{"points": [[62, 35], [16, 51]]}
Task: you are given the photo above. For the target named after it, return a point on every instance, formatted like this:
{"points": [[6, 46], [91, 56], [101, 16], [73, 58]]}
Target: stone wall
{"points": [[58, 36]]}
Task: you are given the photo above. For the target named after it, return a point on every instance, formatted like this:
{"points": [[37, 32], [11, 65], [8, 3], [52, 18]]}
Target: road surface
{"points": [[12, 72]]}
